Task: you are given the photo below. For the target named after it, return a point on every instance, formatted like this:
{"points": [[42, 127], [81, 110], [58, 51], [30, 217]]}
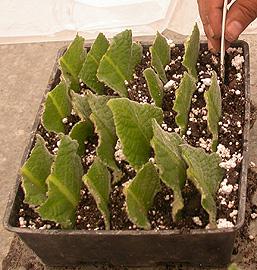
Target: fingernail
{"points": [[210, 31], [233, 30]]}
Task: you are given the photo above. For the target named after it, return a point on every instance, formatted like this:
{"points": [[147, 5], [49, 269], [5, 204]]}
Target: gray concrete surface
{"points": [[24, 72]]}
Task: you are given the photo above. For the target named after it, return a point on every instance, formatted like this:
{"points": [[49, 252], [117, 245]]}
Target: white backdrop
{"points": [[37, 20]]}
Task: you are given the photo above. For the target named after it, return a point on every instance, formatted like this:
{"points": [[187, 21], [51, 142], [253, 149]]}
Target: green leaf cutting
{"points": [[34, 173], [64, 185], [80, 106], [183, 101], [103, 120], [133, 123], [140, 193], [98, 182], [155, 86], [57, 106], [114, 68], [192, 46], [136, 56], [81, 132], [91, 64], [72, 61], [205, 173], [213, 104], [160, 52], [172, 167]]}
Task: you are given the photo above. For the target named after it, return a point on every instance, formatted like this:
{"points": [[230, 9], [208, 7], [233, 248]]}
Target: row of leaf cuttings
{"points": [[52, 183]]}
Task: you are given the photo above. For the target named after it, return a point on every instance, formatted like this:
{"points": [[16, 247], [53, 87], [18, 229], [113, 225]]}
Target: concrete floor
{"points": [[24, 72]]}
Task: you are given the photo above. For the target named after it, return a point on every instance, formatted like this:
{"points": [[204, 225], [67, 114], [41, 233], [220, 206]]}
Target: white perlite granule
{"points": [[197, 221], [222, 151], [253, 215], [169, 84], [238, 61], [65, 120], [206, 81], [170, 43], [119, 156], [224, 223], [231, 163], [233, 213]]}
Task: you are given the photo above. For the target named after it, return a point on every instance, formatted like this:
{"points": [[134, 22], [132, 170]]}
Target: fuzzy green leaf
{"points": [[160, 53], [172, 167], [91, 64], [155, 86], [157, 65], [104, 125], [140, 193], [133, 123], [80, 106], [213, 104], [98, 182], [115, 64], [136, 56], [183, 101], [34, 173], [205, 173], [72, 61], [57, 107], [192, 46], [64, 185], [162, 48], [81, 132]]}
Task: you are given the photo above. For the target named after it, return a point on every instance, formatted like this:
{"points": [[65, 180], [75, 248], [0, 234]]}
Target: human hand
{"points": [[239, 16]]}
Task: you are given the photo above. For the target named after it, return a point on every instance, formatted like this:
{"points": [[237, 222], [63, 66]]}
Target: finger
{"points": [[215, 8], [240, 15], [204, 11], [227, 44], [214, 45]]}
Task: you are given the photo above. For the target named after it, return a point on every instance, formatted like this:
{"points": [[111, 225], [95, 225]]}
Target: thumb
{"points": [[240, 15]]}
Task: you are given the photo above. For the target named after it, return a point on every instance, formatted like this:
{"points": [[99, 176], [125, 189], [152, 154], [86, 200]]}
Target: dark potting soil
{"points": [[230, 140]]}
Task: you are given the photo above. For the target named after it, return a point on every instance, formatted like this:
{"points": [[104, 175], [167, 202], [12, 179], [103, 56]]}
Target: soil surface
{"points": [[230, 149]]}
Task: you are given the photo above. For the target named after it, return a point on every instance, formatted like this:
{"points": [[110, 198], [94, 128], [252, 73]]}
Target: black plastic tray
{"points": [[132, 248]]}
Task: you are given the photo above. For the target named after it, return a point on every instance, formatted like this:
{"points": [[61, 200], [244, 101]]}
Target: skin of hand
{"points": [[239, 16]]}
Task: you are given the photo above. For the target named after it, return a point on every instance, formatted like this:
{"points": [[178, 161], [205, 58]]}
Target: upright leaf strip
{"points": [[213, 104], [140, 193], [160, 55], [103, 120], [91, 64], [192, 46], [80, 106], [98, 181], [172, 167], [155, 86], [114, 67], [34, 173], [72, 61], [183, 101], [205, 173], [57, 106], [136, 57], [81, 132]]}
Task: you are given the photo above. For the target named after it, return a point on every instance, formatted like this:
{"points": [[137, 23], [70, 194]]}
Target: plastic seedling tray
{"points": [[132, 248]]}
